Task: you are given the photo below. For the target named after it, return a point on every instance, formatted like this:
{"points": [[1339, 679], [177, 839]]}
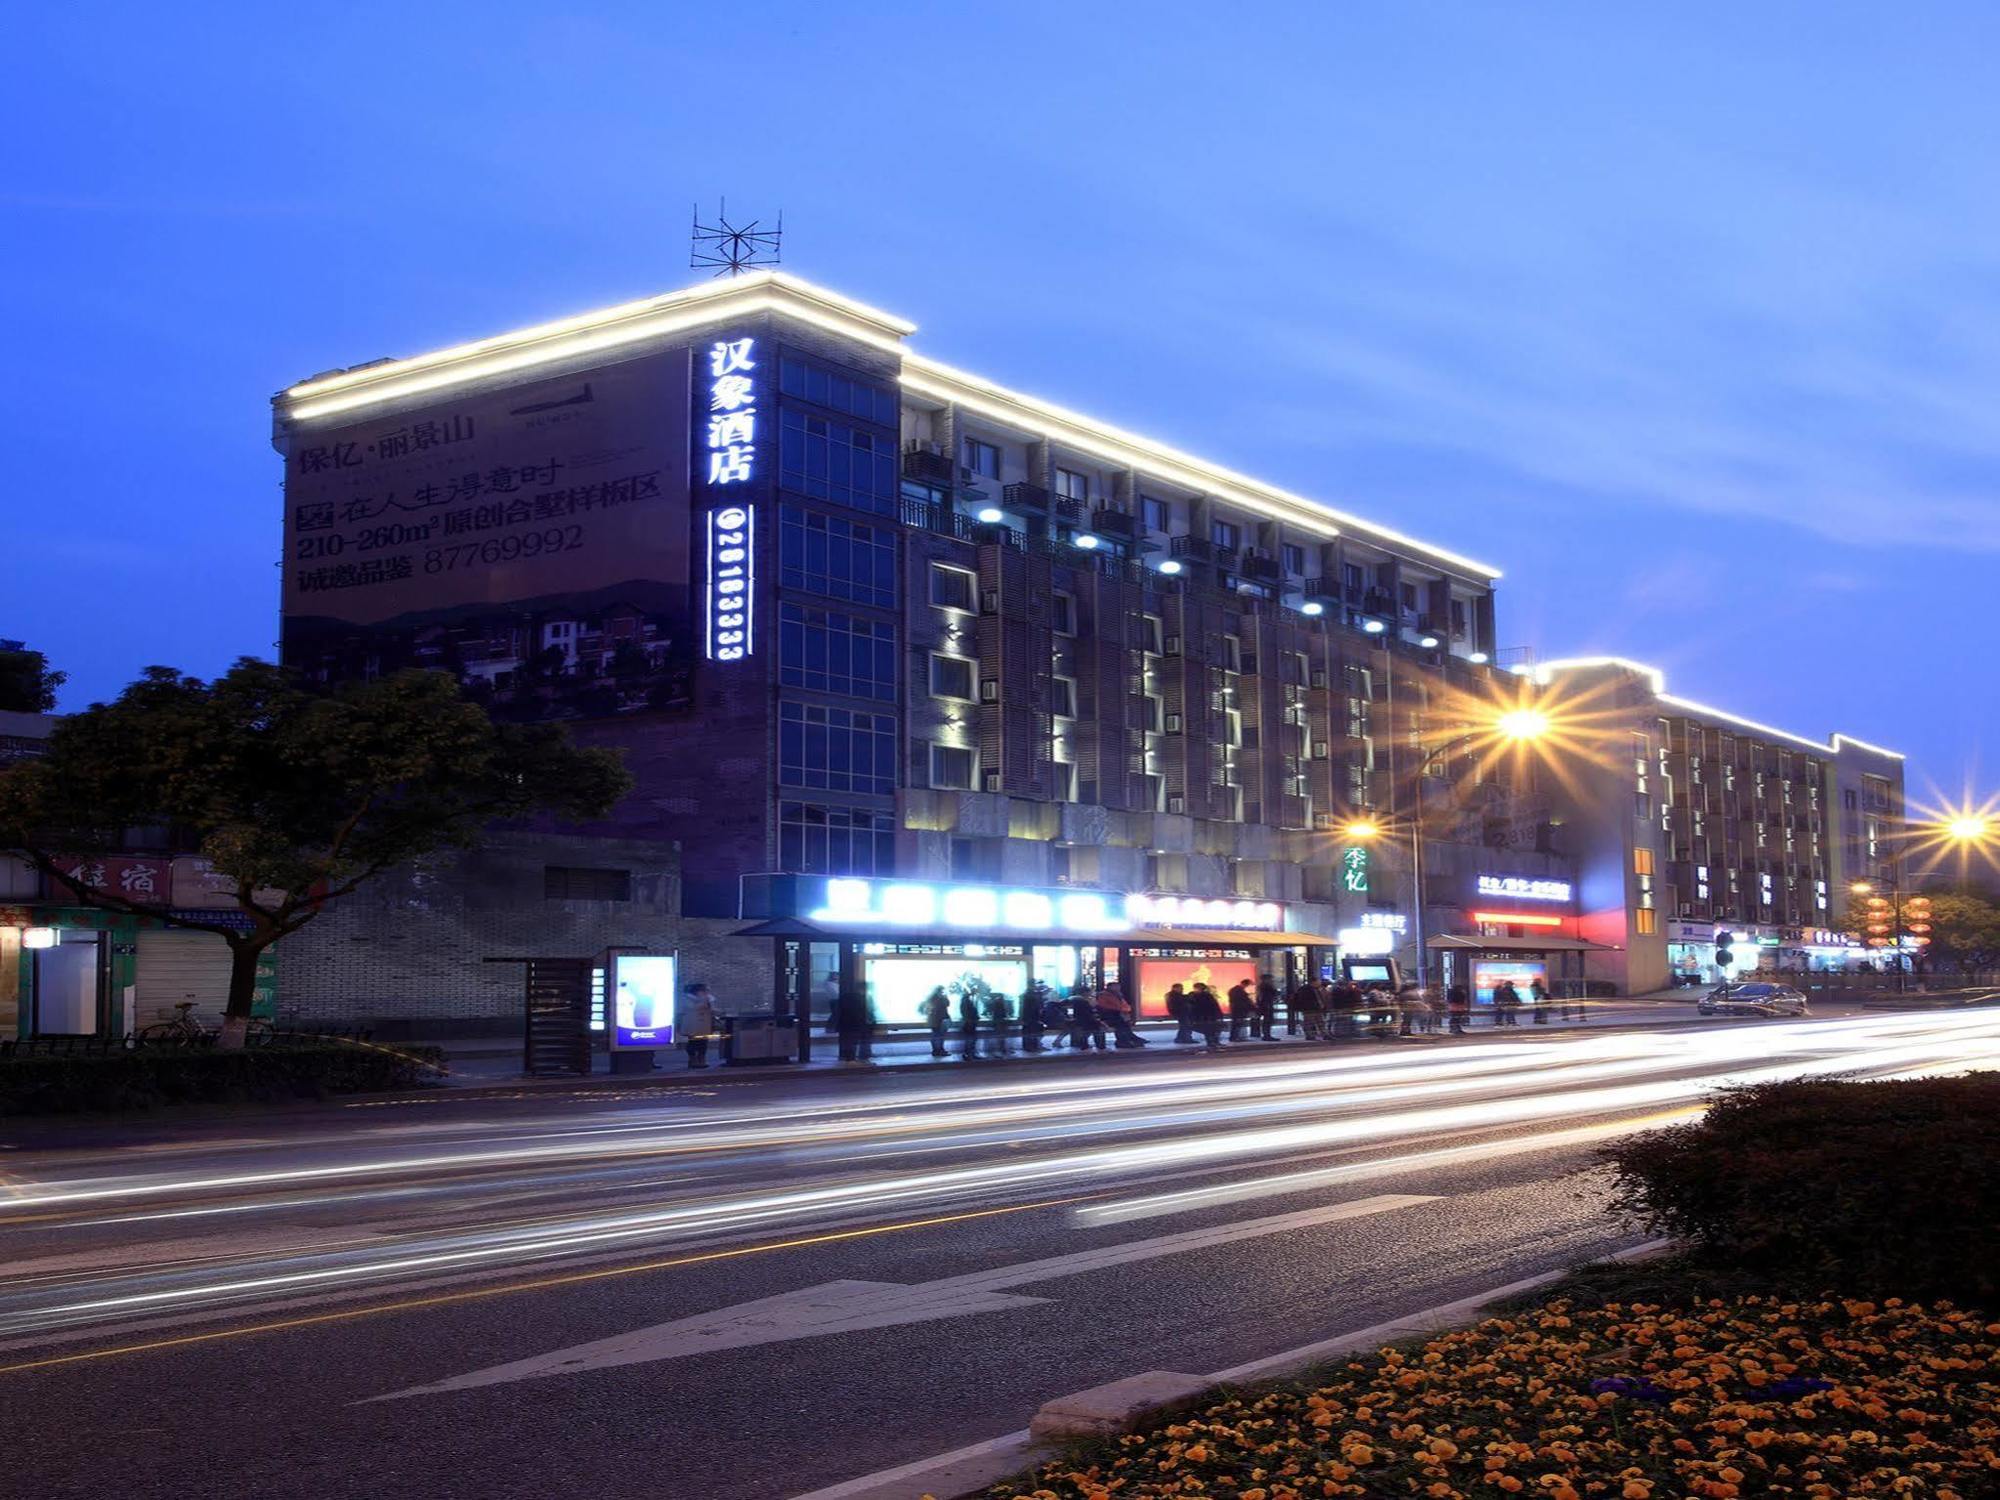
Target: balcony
{"points": [[1259, 568], [1030, 499], [1113, 523], [929, 466]]}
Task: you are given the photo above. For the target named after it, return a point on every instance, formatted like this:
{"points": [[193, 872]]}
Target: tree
{"points": [[297, 796], [27, 686]]}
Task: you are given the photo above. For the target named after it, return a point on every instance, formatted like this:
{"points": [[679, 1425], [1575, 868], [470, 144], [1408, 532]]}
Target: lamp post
{"points": [[1519, 725]]}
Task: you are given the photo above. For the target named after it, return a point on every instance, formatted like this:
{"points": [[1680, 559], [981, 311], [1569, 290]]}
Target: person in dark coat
{"points": [[1083, 1025], [1267, 1009], [1308, 1011], [1031, 1017], [936, 1010], [855, 1019], [1506, 1001], [1055, 1016], [1000, 1010], [968, 1027], [1177, 1012], [1341, 1005], [1539, 992], [1241, 1009], [1205, 1012], [1458, 1005]]}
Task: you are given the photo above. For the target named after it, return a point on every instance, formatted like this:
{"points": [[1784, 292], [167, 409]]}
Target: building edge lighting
{"points": [[1546, 672]]}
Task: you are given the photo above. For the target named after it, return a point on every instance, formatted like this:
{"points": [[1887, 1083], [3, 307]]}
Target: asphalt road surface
{"points": [[758, 1286]]}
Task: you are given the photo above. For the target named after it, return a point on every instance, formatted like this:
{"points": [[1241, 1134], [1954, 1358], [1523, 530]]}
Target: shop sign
{"points": [[1525, 888], [915, 904], [1354, 869], [1366, 942], [1690, 932], [1393, 921], [146, 882], [728, 602]]}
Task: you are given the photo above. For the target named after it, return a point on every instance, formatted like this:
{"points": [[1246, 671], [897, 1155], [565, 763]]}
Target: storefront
{"points": [[1694, 951], [902, 939]]}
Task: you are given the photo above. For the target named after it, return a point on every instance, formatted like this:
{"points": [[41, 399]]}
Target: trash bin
{"points": [[758, 1038]]}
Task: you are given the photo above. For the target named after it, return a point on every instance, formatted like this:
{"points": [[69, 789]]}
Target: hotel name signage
{"points": [[1525, 888], [924, 905], [729, 602]]}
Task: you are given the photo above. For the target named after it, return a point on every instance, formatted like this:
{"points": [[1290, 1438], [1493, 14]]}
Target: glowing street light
{"points": [[1970, 829], [1522, 724], [1363, 828]]}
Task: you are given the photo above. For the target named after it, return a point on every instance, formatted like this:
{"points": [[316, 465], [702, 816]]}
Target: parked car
{"points": [[1753, 1000]]}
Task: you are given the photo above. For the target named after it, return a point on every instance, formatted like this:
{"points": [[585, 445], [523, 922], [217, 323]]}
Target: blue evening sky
{"points": [[1684, 315]]}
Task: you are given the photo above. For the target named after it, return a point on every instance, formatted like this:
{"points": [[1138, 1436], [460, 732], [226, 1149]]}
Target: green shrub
{"points": [[1887, 1186], [145, 1077]]}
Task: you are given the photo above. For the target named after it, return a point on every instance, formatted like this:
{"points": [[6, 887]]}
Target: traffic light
{"points": [[1724, 955]]}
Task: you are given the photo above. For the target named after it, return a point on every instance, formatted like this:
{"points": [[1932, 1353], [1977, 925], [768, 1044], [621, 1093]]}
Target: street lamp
{"points": [[1898, 910], [1517, 726]]}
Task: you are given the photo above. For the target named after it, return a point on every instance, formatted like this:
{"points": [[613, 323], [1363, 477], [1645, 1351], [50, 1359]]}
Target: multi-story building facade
{"points": [[1690, 823], [853, 614]]}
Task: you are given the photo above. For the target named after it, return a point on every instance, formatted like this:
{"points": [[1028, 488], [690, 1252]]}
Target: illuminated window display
{"points": [[898, 983]]}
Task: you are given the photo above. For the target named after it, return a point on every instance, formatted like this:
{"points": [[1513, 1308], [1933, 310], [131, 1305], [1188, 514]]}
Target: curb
{"points": [[1125, 1404]]}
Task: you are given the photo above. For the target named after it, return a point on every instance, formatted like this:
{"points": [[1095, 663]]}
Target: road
{"points": [[755, 1287]]}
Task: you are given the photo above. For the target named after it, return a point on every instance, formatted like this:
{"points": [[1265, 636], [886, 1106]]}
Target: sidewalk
{"points": [[486, 1062]]}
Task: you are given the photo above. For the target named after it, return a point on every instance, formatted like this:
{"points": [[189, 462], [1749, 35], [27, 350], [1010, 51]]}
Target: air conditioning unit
{"points": [[1176, 803], [1326, 822], [1319, 677], [1173, 645], [989, 601], [1173, 723], [1320, 751], [989, 690], [989, 781]]}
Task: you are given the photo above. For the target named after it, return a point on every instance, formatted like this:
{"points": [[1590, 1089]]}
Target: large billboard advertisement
{"points": [[642, 999], [1488, 974], [1159, 975], [534, 541]]}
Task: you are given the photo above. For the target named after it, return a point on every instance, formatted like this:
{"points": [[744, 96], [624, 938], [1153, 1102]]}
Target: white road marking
{"points": [[846, 1306]]}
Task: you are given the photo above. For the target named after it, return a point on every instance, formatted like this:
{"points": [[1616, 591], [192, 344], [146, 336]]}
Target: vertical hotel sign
{"points": [[729, 600]]}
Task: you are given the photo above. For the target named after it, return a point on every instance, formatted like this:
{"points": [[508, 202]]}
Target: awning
{"points": [[1146, 937], [1522, 944]]}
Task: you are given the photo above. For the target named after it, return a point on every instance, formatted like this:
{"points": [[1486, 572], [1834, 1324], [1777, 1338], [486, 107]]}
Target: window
{"points": [[832, 461], [1458, 617], [814, 840], [1072, 485], [831, 651], [836, 749], [983, 459], [1645, 921], [1149, 713], [1409, 596], [1225, 534], [1149, 633], [838, 392], [951, 677], [951, 766], [1294, 558], [568, 883], [1062, 697], [1157, 514], [1642, 861], [1352, 580], [823, 554], [1064, 613], [951, 587]]}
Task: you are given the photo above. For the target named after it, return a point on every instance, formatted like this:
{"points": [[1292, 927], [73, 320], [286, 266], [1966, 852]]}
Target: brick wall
{"points": [[406, 953]]}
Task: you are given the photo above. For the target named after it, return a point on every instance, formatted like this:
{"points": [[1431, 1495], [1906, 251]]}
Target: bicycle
{"points": [[185, 1031]]}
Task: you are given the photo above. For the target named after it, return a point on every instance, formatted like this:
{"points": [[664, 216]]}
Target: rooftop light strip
{"points": [[929, 377]]}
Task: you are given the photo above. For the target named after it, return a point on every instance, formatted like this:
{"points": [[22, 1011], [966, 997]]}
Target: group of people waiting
{"points": [[987, 1023]]}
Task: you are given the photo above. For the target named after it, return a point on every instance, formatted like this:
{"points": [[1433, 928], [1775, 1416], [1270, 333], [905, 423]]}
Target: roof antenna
{"points": [[730, 249]]}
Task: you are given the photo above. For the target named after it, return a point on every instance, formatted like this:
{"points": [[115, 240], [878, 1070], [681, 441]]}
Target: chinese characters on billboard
{"points": [[533, 541]]}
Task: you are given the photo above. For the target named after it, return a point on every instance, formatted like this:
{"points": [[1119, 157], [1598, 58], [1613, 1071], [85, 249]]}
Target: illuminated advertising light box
{"points": [[1525, 888], [1365, 972], [898, 986], [1158, 975], [642, 999], [1488, 974]]}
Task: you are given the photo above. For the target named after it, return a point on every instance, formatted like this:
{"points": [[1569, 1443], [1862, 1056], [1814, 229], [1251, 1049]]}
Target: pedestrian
{"points": [[1083, 1024], [1506, 1001], [1540, 994], [1031, 1017], [1267, 1008], [1308, 1011], [1115, 1011], [1408, 999], [1458, 1003], [1435, 1005], [1241, 1008], [1343, 1000], [855, 1019], [1205, 1011], [1000, 1010], [695, 1024], [1055, 1016], [936, 1010], [1177, 1012], [968, 1027]]}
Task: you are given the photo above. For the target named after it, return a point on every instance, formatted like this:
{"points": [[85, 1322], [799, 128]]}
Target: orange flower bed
{"points": [[1753, 1396]]}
